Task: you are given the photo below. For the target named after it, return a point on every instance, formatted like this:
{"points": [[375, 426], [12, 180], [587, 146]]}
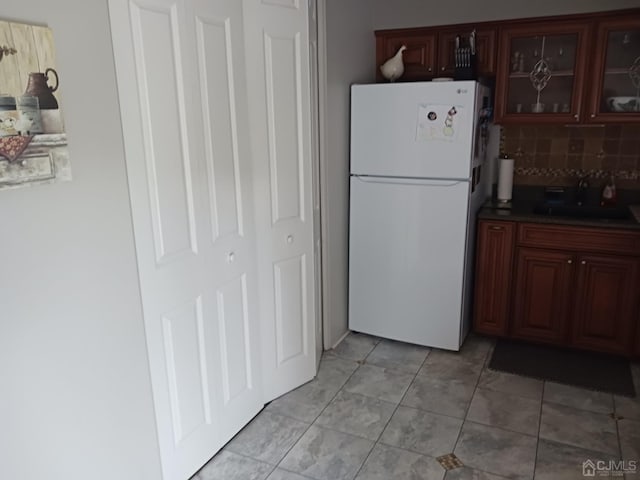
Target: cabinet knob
{"points": [[494, 227], [593, 115], [569, 261], [231, 257], [429, 69], [576, 116], [289, 238], [583, 262], [442, 68]]}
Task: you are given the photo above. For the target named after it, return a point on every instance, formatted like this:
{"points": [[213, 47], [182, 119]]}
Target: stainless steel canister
{"points": [[29, 119], [8, 116]]}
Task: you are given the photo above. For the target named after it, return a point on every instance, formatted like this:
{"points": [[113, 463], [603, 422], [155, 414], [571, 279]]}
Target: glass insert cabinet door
{"points": [[542, 73], [617, 70]]}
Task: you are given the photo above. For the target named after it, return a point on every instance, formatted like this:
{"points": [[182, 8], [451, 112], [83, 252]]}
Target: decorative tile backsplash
{"points": [[559, 155]]}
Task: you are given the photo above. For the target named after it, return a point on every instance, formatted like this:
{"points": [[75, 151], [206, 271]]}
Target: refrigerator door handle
{"points": [[408, 181]]}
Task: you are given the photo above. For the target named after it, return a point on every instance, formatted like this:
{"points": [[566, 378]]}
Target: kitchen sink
{"points": [[582, 211]]}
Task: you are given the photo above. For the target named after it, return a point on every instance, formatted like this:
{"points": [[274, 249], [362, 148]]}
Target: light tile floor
{"points": [[384, 410]]}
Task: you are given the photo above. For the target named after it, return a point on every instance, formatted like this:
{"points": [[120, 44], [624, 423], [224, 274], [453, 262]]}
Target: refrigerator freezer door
{"points": [[406, 259], [419, 129]]}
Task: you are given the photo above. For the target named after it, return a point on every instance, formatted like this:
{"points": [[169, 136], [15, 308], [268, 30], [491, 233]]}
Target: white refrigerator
{"points": [[417, 181]]}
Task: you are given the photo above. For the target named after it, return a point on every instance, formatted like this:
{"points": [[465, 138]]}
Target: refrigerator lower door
{"points": [[407, 249]]}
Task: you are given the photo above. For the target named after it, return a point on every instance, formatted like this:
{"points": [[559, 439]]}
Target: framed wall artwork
{"points": [[33, 143]]}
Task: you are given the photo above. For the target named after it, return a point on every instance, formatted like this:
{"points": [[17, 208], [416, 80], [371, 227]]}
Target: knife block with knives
{"points": [[465, 58]]}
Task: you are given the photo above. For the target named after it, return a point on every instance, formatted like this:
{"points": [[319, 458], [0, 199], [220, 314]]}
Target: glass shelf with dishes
{"points": [[615, 94], [542, 78], [542, 71], [621, 79], [555, 98]]}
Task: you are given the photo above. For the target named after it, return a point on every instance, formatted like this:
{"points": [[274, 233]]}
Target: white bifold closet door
{"points": [[277, 41], [227, 295]]}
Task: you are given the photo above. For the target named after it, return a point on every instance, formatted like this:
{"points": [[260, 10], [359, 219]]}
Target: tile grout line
{"points": [[319, 414], [485, 366], [273, 467], [615, 417], [422, 409], [535, 459], [312, 423], [341, 389], [475, 389], [323, 409], [377, 441], [277, 465], [464, 418], [364, 360], [635, 377], [496, 427], [439, 414], [291, 471], [332, 398], [579, 409], [333, 429], [433, 412], [511, 394]]}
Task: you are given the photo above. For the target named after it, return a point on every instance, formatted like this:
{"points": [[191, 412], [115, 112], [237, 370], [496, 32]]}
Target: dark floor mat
{"points": [[604, 373]]}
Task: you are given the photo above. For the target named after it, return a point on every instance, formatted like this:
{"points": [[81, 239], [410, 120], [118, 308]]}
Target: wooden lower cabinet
{"points": [[493, 277], [542, 302], [568, 286], [606, 293]]}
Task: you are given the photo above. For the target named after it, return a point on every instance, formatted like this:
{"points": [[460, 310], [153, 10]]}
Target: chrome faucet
{"points": [[581, 194]]}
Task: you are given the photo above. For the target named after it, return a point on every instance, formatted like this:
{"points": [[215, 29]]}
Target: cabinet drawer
{"points": [[579, 238]]}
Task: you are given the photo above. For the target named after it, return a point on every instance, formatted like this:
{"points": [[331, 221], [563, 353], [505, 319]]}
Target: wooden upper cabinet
{"points": [[430, 50], [494, 261], [569, 69], [485, 50], [615, 83], [605, 308], [419, 58], [541, 72]]}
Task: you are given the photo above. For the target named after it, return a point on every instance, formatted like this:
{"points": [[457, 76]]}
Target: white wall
{"points": [[75, 394], [351, 58], [349, 37]]}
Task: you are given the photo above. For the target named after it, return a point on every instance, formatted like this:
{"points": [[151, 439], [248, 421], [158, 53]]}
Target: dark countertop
{"points": [[521, 209]]}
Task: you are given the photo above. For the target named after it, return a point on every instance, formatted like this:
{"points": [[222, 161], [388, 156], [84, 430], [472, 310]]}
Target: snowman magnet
{"points": [[448, 122]]}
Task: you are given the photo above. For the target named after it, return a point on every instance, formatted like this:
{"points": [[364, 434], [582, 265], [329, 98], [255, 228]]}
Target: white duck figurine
{"points": [[393, 68]]}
